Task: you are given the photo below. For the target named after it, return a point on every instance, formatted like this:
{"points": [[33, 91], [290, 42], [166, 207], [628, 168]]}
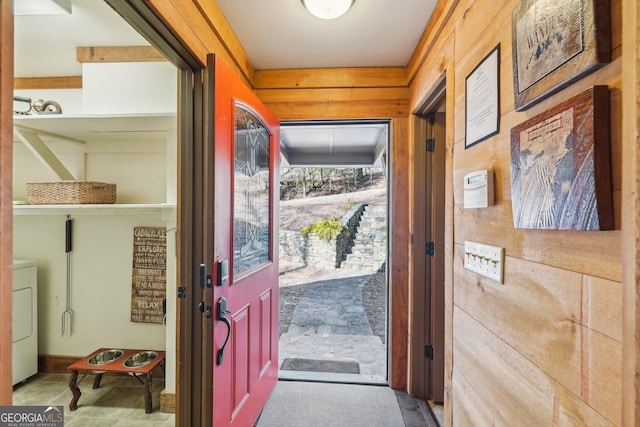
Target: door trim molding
{"points": [[190, 406], [422, 319], [419, 319], [6, 197]]}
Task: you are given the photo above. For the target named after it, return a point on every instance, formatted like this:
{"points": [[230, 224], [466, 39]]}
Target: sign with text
{"points": [[560, 168], [149, 274]]}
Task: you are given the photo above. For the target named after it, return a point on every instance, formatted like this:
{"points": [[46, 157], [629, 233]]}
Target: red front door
{"points": [[246, 151]]}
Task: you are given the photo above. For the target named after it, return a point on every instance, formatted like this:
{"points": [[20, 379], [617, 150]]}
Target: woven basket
{"points": [[70, 193]]}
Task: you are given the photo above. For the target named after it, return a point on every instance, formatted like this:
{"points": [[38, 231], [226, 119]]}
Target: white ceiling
{"points": [[373, 33], [276, 34], [45, 45], [346, 144]]}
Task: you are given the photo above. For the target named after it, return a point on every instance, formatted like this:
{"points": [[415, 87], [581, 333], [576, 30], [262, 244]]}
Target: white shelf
{"points": [[163, 210], [98, 127]]}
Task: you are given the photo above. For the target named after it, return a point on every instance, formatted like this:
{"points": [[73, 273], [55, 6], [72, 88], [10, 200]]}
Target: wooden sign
{"points": [[556, 42], [149, 274], [560, 172]]}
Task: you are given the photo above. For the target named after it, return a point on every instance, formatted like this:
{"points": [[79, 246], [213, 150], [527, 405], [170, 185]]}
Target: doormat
{"points": [[312, 365]]}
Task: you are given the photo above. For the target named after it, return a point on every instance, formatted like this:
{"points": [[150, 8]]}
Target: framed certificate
{"points": [[482, 100]]}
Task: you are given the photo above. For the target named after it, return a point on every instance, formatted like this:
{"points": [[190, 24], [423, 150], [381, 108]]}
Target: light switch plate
{"points": [[485, 260]]}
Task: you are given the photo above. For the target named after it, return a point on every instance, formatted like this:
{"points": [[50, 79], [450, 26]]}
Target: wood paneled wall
{"points": [[545, 347], [361, 93], [202, 27], [335, 93], [630, 217]]}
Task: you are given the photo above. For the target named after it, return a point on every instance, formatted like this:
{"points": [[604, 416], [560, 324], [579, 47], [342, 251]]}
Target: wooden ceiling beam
{"points": [[87, 54], [372, 77], [67, 82]]}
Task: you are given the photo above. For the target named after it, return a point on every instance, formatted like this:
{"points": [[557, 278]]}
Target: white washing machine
{"points": [[25, 320]]}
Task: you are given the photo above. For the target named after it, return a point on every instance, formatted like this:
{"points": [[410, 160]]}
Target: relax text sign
{"points": [[149, 274]]}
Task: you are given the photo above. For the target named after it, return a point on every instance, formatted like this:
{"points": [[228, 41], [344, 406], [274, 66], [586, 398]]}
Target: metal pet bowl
{"points": [[140, 359], [105, 357]]}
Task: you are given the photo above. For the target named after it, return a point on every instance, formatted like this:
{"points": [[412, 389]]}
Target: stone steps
{"points": [[369, 250], [360, 246]]}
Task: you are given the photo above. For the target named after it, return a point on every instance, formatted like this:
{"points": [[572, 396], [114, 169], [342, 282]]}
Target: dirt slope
{"points": [[298, 213]]}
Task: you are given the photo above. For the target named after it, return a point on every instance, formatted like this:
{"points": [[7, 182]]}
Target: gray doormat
{"points": [[304, 404], [312, 365]]}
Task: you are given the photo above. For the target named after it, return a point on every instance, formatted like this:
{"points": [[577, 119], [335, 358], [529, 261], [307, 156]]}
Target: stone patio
{"points": [[330, 322]]}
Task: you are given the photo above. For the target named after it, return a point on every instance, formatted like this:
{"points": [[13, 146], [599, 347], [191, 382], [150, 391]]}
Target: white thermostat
{"points": [[479, 189]]}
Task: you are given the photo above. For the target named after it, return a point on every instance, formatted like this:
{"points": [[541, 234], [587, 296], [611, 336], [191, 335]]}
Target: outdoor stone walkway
{"points": [[330, 323]]}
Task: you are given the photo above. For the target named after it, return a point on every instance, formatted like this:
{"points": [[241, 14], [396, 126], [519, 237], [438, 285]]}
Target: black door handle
{"points": [[221, 314]]}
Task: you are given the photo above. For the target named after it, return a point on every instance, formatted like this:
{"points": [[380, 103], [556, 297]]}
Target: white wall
{"points": [[138, 168], [101, 263], [130, 87], [102, 245], [144, 169], [116, 88]]}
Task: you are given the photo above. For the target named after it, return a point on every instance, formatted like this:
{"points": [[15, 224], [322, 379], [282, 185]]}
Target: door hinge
{"points": [[430, 248], [428, 351], [431, 145], [182, 292]]}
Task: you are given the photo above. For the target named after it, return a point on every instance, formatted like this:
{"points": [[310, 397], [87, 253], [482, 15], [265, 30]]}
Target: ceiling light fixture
{"points": [[42, 7], [328, 9]]}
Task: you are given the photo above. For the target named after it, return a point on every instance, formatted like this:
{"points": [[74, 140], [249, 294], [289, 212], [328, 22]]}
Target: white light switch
{"points": [[484, 259]]}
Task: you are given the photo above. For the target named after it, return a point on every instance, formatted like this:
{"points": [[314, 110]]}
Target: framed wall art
{"points": [[556, 42], [482, 99], [560, 172]]}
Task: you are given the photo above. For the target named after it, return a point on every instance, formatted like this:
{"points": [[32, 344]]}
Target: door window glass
{"points": [[251, 192]]}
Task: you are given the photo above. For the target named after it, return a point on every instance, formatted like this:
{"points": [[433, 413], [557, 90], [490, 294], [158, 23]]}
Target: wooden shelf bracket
{"points": [[31, 139]]}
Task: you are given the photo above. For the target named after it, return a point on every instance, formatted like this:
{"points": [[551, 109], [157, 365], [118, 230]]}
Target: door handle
{"points": [[221, 314]]}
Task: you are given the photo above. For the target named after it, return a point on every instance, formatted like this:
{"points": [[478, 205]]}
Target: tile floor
{"points": [[118, 402]]}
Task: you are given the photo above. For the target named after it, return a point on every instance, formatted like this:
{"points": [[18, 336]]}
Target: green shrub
{"points": [[325, 228], [350, 204]]}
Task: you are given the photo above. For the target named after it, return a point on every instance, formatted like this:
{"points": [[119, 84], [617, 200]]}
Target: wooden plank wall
{"points": [[6, 198], [334, 93], [545, 347], [202, 27], [361, 93], [630, 218]]}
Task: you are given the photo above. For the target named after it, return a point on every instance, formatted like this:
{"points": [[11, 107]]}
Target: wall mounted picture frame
{"points": [[560, 171], [555, 43], [482, 99]]}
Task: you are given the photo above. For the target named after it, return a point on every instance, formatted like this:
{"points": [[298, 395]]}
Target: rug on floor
{"points": [[297, 404], [315, 365]]}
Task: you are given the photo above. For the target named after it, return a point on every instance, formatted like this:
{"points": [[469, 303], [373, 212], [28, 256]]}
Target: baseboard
{"points": [[55, 364], [52, 364], [167, 402]]}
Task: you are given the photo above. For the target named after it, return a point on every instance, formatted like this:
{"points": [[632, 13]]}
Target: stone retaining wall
{"points": [[293, 249], [297, 250]]}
